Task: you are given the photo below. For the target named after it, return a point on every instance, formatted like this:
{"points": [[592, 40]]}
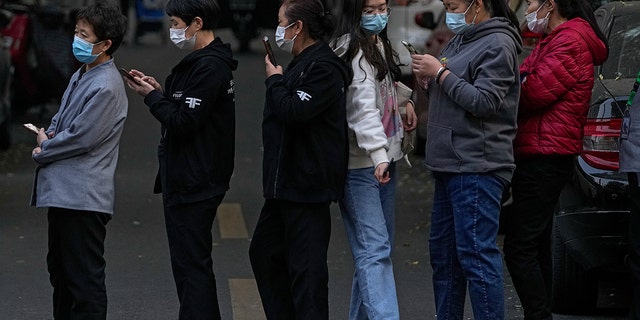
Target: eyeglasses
{"points": [[378, 10]]}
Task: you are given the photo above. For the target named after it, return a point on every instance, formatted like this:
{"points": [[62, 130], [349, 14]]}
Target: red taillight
{"points": [[601, 143], [530, 39]]}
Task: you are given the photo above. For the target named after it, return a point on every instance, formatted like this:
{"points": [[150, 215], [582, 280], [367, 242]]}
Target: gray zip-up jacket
{"points": [[77, 165], [472, 113]]}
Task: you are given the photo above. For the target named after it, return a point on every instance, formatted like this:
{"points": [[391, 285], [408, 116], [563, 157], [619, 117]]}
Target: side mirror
{"points": [[426, 20]]}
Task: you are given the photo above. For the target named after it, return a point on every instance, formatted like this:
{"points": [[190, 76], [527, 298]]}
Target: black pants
{"points": [[536, 187], [289, 259], [190, 245], [634, 245], [76, 264]]}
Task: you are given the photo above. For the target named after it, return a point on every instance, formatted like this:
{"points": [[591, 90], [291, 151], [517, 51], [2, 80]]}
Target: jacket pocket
{"points": [[440, 151]]}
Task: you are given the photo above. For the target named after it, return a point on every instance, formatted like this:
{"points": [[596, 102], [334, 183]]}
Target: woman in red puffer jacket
{"points": [[556, 83]]}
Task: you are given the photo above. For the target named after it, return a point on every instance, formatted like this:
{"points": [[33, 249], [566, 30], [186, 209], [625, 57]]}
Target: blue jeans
{"points": [[368, 214], [463, 249]]}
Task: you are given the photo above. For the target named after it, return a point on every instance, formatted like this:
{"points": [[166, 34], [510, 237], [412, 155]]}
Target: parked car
{"points": [[6, 76], [403, 25], [590, 226]]}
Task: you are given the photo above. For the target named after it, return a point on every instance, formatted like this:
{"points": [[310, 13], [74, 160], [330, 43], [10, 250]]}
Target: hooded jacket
{"points": [[373, 116], [472, 112], [556, 89], [304, 130], [197, 114]]}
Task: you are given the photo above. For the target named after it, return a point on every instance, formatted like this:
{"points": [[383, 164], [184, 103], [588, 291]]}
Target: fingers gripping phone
{"points": [[410, 47], [126, 74], [267, 47]]}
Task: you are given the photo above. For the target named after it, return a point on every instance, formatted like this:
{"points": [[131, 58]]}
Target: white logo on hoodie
{"points": [[303, 95]]}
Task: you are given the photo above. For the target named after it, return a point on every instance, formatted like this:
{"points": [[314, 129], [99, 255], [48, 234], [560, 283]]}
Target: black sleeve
{"points": [[311, 94]]}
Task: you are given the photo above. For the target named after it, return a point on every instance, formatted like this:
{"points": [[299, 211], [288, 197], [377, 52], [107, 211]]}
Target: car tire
{"points": [[575, 290], [5, 134]]}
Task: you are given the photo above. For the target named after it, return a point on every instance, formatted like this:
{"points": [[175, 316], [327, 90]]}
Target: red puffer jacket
{"points": [[556, 88]]}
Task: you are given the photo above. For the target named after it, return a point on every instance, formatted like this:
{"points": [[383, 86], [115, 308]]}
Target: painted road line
{"points": [[245, 300], [231, 221]]}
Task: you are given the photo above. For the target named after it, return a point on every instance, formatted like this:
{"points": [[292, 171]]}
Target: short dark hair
{"points": [[107, 21], [187, 10]]}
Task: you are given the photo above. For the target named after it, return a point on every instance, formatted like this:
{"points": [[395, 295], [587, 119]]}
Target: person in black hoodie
{"points": [[196, 152], [304, 134]]}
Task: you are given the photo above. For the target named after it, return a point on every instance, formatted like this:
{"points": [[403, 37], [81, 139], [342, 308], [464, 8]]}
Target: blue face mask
{"points": [[457, 21], [374, 23], [82, 50]]}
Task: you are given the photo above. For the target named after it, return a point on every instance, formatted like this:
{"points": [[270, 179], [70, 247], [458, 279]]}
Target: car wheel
{"points": [[575, 290]]}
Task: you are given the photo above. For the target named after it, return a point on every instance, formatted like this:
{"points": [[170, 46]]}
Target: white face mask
{"points": [[537, 25], [178, 37], [281, 42]]}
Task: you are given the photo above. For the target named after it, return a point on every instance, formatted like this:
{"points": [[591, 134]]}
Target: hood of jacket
{"points": [[493, 25], [216, 49], [580, 26], [316, 52]]}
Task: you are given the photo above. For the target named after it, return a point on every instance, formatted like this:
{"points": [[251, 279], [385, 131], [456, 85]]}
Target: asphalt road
{"points": [[139, 281]]}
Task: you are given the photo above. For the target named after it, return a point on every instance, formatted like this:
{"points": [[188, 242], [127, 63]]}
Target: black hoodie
{"points": [[304, 129], [197, 113]]}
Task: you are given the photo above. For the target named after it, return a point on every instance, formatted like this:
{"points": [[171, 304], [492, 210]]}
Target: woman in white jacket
{"points": [[376, 128]]}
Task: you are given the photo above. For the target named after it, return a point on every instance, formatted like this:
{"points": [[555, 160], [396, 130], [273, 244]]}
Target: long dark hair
{"points": [[581, 9], [359, 40], [316, 19]]}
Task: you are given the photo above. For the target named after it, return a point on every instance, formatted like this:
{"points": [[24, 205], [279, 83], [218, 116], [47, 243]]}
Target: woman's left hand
{"points": [[425, 65], [269, 68], [410, 119]]}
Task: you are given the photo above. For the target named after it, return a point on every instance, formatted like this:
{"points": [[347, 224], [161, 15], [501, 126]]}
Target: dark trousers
{"points": [[190, 245], [288, 255], [536, 187], [634, 245], [76, 264]]}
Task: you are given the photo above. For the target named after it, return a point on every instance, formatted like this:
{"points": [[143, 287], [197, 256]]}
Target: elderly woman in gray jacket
{"points": [[473, 90], [77, 157]]}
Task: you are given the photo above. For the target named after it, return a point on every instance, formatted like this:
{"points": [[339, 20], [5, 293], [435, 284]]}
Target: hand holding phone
{"points": [[126, 74], [31, 128], [410, 47], [267, 47]]}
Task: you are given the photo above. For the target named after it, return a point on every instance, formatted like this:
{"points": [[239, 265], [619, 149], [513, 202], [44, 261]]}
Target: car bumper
{"points": [[595, 231]]}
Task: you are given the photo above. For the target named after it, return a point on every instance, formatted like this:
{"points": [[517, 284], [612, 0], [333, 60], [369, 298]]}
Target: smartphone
{"points": [[386, 171], [410, 47], [126, 74], [31, 128], [267, 46]]}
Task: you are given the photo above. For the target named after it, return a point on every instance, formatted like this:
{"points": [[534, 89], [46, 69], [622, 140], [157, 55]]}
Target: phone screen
{"points": [[126, 74], [409, 47], [267, 47], [31, 128]]}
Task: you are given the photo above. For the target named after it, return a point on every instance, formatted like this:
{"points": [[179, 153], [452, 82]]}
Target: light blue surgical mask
{"points": [[374, 23], [281, 42], [83, 49], [457, 21]]}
